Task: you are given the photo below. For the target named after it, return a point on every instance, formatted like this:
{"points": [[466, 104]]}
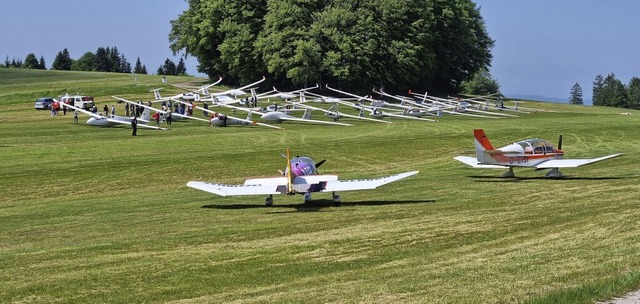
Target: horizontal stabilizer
{"points": [[473, 162]]}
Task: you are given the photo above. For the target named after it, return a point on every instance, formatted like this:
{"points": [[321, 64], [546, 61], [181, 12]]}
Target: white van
{"points": [[85, 102]]}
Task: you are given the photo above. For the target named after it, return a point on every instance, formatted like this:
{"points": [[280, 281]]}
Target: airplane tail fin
{"points": [[303, 99], [254, 96], [146, 115], [249, 115], [482, 145], [333, 108], [307, 114], [156, 94]]}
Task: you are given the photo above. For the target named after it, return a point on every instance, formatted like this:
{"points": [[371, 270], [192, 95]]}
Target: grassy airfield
{"points": [[92, 214]]}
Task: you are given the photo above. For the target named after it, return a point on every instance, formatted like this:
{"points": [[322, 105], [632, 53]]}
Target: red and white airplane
{"points": [[299, 177], [537, 153]]}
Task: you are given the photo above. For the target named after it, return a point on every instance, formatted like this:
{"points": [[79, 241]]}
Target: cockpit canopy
{"points": [[301, 166], [536, 146]]}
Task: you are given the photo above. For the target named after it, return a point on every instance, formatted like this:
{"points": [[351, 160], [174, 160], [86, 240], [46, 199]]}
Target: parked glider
{"points": [[114, 120], [223, 120], [537, 153], [299, 177], [374, 109], [174, 116]]}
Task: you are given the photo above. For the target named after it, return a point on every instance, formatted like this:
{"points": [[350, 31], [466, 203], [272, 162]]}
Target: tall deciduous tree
{"points": [[481, 84], [423, 44], [576, 95], [85, 62], [62, 61]]}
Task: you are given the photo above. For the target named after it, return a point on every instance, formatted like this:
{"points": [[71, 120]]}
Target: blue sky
{"points": [[542, 47]]}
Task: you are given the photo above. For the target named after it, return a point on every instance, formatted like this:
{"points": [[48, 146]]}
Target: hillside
{"points": [[91, 214]]}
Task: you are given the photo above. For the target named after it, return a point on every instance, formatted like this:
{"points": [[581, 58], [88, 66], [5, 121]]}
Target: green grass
{"points": [[95, 215]]}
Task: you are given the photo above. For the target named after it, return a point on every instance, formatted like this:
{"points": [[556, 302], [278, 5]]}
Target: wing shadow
{"points": [[500, 179], [316, 205]]}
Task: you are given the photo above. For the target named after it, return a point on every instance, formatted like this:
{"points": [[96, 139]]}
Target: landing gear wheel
{"points": [[554, 173], [268, 201], [337, 200], [509, 173], [307, 197]]}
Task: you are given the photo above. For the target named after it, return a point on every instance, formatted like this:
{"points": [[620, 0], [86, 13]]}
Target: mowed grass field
{"points": [[92, 214]]}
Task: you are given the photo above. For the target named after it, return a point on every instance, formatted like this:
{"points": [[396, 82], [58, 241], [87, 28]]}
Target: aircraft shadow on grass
{"points": [[317, 205], [500, 179]]}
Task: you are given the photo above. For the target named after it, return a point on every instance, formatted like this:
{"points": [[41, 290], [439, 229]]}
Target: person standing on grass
{"points": [[75, 117], [156, 116], [106, 110], [168, 118], [134, 125], [113, 110]]}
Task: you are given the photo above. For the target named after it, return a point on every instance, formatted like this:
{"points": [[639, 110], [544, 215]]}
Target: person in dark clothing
{"points": [[134, 125], [106, 110]]}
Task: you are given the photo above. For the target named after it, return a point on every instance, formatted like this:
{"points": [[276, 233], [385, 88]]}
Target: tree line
{"points": [[610, 92], [104, 59], [426, 45]]}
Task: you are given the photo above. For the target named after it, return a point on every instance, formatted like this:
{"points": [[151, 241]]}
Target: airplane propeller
{"points": [[560, 142]]}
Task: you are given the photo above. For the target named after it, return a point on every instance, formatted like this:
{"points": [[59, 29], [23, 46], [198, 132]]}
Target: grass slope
{"points": [[95, 215]]}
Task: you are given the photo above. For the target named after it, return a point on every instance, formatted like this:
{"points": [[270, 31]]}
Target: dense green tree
{"points": [[85, 62], [423, 44], [181, 68], [125, 66], [114, 59], [101, 62], [41, 64], [613, 93], [576, 95], [30, 62], [633, 93], [139, 68], [598, 86], [481, 84], [62, 61], [168, 68]]}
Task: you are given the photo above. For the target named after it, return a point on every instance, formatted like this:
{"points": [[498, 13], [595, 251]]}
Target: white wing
{"points": [[233, 190], [289, 118], [572, 163], [311, 183], [94, 115], [364, 184], [473, 162]]}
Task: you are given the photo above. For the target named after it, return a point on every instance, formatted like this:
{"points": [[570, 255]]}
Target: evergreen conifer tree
{"points": [[576, 95]]}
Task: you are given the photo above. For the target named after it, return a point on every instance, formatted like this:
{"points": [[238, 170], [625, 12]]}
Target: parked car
{"points": [[85, 102], [43, 103]]}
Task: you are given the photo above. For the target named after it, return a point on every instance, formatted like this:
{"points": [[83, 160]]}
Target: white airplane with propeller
{"points": [[300, 176]]}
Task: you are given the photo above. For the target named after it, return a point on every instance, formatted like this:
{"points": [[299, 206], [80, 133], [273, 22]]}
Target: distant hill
{"points": [[545, 98]]}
